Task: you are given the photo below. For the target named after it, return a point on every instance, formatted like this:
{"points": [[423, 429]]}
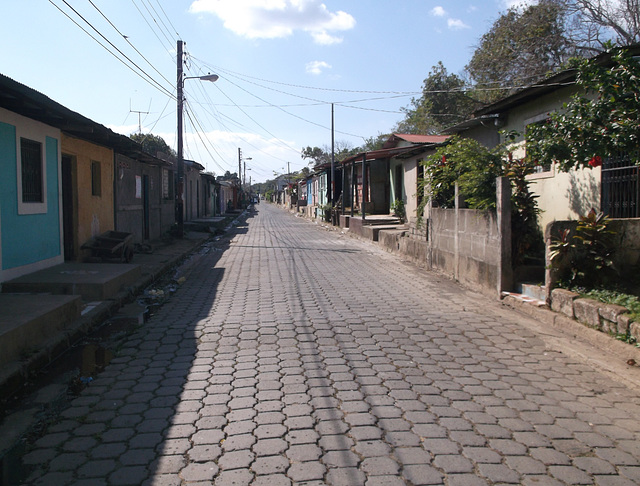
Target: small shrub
{"points": [[398, 210], [584, 258]]}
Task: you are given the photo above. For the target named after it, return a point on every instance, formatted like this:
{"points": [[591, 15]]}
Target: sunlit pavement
{"points": [[302, 356]]}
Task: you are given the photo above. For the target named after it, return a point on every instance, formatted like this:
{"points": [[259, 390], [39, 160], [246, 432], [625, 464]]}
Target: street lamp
{"points": [[180, 185]]}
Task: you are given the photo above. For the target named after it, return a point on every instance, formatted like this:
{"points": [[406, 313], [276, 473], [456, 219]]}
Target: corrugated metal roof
{"points": [[416, 139], [28, 102]]}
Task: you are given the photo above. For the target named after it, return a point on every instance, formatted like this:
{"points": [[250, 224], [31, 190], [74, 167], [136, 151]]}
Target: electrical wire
{"points": [[168, 19], [141, 73], [151, 28], [126, 38], [156, 22]]}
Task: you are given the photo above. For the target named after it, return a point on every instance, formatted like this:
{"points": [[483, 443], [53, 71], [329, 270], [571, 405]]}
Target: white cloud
{"points": [[270, 19], [456, 24], [316, 67]]}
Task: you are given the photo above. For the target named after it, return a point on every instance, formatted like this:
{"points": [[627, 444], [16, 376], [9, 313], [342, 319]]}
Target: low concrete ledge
{"points": [[389, 239], [562, 301], [587, 312], [610, 319]]}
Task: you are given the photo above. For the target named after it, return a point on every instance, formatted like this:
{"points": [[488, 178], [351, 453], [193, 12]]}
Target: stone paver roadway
{"points": [[301, 356]]}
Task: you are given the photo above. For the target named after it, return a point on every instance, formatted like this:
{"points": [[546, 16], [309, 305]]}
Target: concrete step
{"points": [[533, 290], [93, 281], [28, 320]]}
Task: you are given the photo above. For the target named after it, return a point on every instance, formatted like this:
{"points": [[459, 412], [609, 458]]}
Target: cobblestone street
{"points": [[302, 356]]}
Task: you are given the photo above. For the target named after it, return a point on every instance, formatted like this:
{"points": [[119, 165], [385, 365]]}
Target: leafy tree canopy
{"points": [[443, 103], [319, 156], [152, 144], [603, 120], [522, 46], [374, 143]]}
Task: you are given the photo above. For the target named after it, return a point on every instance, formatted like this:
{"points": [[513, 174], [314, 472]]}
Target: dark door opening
{"points": [[145, 206], [68, 208]]}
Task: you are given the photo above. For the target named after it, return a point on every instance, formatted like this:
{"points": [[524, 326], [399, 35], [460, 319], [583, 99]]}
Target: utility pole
{"points": [[179, 200], [332, 190]]}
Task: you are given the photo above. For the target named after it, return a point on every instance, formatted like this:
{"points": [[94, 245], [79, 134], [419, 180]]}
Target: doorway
{"points": [[68, 207]]}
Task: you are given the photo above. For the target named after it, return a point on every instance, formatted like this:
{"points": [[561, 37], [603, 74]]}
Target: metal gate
{"points": [[620, 188]]}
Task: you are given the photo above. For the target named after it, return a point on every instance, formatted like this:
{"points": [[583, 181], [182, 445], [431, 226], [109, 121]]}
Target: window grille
{"points": [[620, 188], [32, 173]]}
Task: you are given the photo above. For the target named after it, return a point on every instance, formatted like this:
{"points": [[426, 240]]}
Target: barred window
{"points": [[96, 179], [32, 173]]}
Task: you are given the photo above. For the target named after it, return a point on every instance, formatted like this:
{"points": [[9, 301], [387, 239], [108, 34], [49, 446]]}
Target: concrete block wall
{"points": [[466, 244]]}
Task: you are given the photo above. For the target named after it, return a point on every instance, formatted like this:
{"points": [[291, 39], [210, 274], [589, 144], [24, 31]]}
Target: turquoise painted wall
{"points": [[27, 238]]}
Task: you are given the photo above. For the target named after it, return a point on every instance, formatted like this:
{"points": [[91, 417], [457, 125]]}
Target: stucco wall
{"points": [[30, 237], [566, 195], [561, 195], [95, 213]]}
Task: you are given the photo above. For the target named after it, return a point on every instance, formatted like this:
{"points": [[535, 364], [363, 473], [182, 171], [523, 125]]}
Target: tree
{"points": [[152, 144], [602, 120], [444, 102], [593, 23], [319, 156], [374, 143], [522, 46]]}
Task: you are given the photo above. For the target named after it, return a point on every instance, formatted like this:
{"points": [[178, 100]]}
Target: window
{"points": [[539, 120], [167, 184], [32, 171], [96, 179]]}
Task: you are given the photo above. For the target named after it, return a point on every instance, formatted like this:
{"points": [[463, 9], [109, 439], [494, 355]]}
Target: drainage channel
{"points": [[26, 415]]}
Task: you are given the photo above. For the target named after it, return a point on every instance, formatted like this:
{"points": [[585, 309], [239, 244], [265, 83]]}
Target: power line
{"points": [[161, 21], [236, 74], [151, 27], [168, 19], [126, 38], [155, 21], [141, 72], [287, 112]]}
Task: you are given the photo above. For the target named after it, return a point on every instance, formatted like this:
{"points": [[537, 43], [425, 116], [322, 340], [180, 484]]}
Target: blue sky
{"points": [[281, 64]]}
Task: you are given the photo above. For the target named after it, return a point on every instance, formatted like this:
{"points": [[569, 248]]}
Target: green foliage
{"points": [[526, 238], [522, 46], [476, 168], [152, 144], [444, 102], [398, 209], [471, 165], [631, 302], [318, 156], [584, 258], [602, 121], [374, 143]]}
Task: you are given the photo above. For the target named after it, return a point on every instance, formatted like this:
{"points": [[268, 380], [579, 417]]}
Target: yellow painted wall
{"points": [[94, 213]]}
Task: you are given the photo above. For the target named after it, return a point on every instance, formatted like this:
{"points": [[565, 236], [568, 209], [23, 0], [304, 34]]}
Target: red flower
{"points": [[595, 161]]}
